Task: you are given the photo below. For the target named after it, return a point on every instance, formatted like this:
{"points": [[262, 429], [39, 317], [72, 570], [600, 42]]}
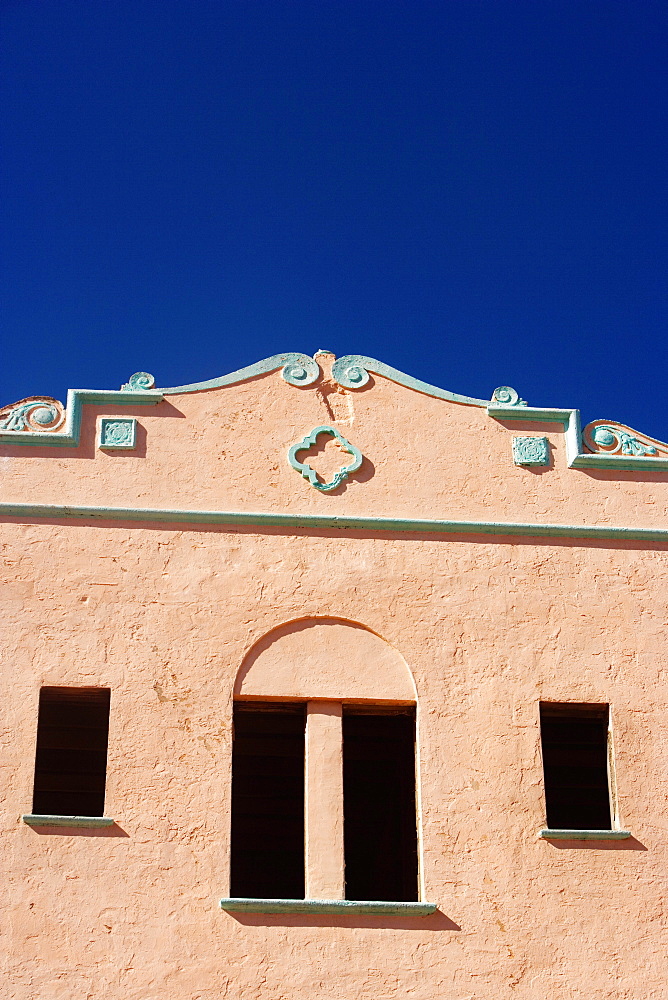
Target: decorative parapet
{"points": [[352, 372], [607, 444], [298, 369], [40, 421]]}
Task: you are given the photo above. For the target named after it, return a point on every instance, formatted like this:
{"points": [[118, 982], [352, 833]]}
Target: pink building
{"points": [[321, 682]]}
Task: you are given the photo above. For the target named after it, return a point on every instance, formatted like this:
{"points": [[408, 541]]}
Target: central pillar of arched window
{"points": [[324, 859], [324, 776]]}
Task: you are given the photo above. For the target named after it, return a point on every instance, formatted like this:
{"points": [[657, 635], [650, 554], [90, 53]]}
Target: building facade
{"points": [[321, 682]]}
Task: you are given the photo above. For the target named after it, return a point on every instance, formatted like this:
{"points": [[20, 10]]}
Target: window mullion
{"points": [[323, 808]]}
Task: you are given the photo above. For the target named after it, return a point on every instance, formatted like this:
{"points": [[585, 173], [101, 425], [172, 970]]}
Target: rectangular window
{"points": [[71, 758], [267, 855], [380, 823], [575, 763]]}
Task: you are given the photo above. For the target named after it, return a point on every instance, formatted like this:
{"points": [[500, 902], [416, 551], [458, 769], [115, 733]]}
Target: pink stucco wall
{"points": [[166, 615]]}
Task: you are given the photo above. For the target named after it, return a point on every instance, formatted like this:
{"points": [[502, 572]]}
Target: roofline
{"points": [[627, 449]]}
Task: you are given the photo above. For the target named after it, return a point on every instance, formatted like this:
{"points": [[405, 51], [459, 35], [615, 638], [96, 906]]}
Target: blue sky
{"points": [[471, 191]]}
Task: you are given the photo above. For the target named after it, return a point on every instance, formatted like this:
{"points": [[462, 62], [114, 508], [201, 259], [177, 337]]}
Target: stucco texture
{"points": [[166, 616]]}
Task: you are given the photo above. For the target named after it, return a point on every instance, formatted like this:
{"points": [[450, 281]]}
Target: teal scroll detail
{"points": [[36, 413], [606, 437], [505, 395], [140, 381], [297, 369], [304, 469], [352, 372]]}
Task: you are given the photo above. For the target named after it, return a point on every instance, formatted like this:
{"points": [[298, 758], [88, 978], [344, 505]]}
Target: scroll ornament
{"points": [[349, 373], [603, 437], [301, 370], [504, 395], [139, 382], [36, 413]]}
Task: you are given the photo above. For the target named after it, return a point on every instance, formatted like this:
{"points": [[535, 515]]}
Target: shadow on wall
{"points": [[69, 831], [434, 922], [630, 844]]}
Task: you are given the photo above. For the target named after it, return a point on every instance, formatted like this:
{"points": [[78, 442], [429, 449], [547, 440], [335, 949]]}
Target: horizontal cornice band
{"points": [[388, 525]]}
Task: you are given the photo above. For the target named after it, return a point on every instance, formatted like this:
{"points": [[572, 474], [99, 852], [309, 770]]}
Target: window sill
{"points": [[33, 819], [584, 834], [341, 906]]}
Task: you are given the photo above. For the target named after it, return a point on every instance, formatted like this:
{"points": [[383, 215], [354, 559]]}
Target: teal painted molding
{"points": [[68, 437], [610, 445], [584, 834], [92, 822], [298, 369], [305, 470], [640, 451], [315, 906], [352, 372], [389, 525]]}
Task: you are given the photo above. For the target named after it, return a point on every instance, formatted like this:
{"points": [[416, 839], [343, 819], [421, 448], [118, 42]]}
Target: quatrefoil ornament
{"points": [[304, 469]]}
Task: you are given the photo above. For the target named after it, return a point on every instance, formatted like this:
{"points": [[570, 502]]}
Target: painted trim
{"points": [[576, 457], [298, 369], [584, 834], [309, 474], [352, 372], [71, 432], [340, 906], [390, 525], [92, 822]]}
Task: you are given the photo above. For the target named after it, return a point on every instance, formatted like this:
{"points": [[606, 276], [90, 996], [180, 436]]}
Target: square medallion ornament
{"points": [[531, 451], [116, 434]]}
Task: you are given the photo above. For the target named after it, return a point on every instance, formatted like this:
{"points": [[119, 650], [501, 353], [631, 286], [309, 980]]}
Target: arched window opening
{"points": [[323, 783]]}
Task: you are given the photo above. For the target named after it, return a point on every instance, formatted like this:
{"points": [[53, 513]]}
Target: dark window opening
{"points": [[575, 764], [380, 823], [71, 757], [267, 852]]}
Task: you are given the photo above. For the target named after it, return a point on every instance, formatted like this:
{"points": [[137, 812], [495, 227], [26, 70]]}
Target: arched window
{"points": [[323, 786]]}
